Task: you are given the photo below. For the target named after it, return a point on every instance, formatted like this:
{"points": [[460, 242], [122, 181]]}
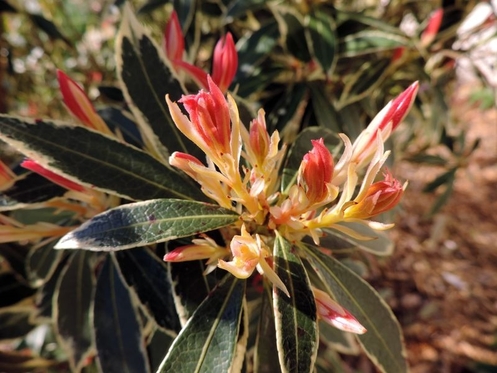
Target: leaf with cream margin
{"points": [[143, 223]]}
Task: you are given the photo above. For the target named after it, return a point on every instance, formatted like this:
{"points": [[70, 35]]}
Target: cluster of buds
{"points": [[224, 60], [242, 172]]}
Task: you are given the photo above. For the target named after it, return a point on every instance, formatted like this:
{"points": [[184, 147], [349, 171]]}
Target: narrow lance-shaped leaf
{"points": [[118, 335], [91, 159], [383, 341], [147, 222], [208, 341], [264, 360], [321, 39], [295, 317], [74, 293], [147, 276], [147, 77]]}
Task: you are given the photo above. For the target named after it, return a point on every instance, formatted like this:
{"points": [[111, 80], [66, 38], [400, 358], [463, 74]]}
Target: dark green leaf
{"points": [[286, 107], [157, 348], [442, 199], [15, 322], [295, 316], [239, 8], [293, 32], [326, 115], [383, 341], [45, 297], [300, 147], [208, 341], [143, 223], [370, 41], [94, 160], [186, 12], [190, 286], [361, 83], [41, 263], [30, 189], [434, 160], [321, 39], [151, 5], [118, 335], [73, 300], [380, 244], [15, 255], [48, 27], [255, 47], [146, 78], [119, 119], [264, 359], [12, 290], [445, 178], [147, 276]]}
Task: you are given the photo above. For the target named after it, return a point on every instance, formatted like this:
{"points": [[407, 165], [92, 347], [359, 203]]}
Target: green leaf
{"points": [[46, 294], [370, 41], [142, 223], [208, 341], [292, 32], [15, 322], [74, 295], [363, 82], [295, 317], [12, 290], [264, 359], [118, 335], [32, 188], [321, 39], [146, 78], [445, 178], [326, 115], [380, 245], [434, 160], [147, 276], [94, 160], [15, 254], [300, 147], [48, 27], [191, 286], [383, 341], [286, 108], [41, 263]]}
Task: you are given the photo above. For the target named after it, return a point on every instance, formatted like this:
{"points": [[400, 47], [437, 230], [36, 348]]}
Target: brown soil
{"points": [[442, 278]]}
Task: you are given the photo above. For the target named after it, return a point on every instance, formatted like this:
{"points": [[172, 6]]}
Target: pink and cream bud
{"points": [[431, 30], [79, 104], [173, 41], [183, 161], [331, 312], [259, 139], [316, 171], [384, 122], [225, 62], [380, 197]]}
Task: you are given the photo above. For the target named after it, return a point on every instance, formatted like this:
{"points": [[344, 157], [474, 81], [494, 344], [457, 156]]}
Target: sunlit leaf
{"points": [[295, 316], [143, 223], [208, 341], [94, 160], [383, 341]]}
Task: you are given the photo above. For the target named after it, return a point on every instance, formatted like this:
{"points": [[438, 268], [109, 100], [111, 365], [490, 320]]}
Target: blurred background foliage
{"points": [[332, 64]]}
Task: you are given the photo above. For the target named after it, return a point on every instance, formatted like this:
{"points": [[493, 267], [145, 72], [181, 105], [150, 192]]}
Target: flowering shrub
{"points": [[249, 217]]}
